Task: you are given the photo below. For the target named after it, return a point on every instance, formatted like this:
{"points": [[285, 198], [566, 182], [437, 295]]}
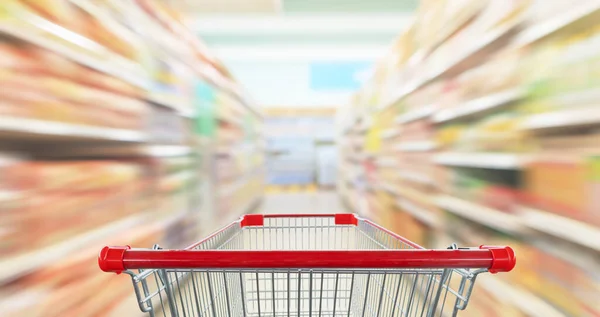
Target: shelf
{"points": [[40, 31], [390, 133], [16, 266], [404, 192], [425, 216], [416, 114], [404, 92], [562, 227], [478, 105], [33, 128], [387, 187], [124, 151], [416, 146], [502, 161], [526, 302], [481, 214], [563, 119], [10, 195], [232, 187], [487, 40], [537, 32], [173, 102], [387, 162], [447, 32], [416, 177]]}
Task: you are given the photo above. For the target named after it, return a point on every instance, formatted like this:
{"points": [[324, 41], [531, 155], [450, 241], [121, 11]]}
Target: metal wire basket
{"points": [[304, 265]]}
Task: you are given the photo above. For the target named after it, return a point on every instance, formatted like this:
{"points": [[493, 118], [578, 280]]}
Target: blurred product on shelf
{"points": [[495, 140], [72, 196], [39, 87], [111, 135]]}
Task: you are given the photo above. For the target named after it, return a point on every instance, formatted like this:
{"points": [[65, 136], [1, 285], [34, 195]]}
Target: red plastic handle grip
{"points": [[503, 258], [117, 259]]}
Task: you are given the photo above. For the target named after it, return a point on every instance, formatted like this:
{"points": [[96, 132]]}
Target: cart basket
{"points": [[304, 265]]}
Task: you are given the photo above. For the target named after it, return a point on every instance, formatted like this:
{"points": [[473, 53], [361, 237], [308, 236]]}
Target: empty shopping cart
{"points": [[304, 265]]}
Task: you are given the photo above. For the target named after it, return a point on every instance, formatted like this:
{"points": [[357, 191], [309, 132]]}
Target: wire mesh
{"points": [[306, 291]]}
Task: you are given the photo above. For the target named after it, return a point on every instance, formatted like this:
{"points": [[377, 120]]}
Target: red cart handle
{"points": [[118, 259]]}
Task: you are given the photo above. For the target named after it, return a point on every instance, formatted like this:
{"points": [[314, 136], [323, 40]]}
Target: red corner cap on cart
{"points": [[503, 258], [252, 220], [346, 219], [110, 259]]}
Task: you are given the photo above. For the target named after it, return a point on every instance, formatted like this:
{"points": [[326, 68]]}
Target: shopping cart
{"points": [[304, 265]]}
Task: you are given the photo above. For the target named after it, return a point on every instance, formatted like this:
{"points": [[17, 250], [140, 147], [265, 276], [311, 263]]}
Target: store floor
{"points": [[302, 203]]}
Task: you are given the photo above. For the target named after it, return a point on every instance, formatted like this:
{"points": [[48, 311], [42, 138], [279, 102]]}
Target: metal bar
{"points": [[188, 299], [183, 307], [310, 290], [147, 308], [258, 293], [169, 292], [226, 295], [438, 293], [335, 292], [273, 291], [321, 295], [425, 302], [159, 288], [443, 283], [395, 303], [412, 294], [381, 294], [299, 299], [350, 297], [211, 295], [366, 293], [242, 292]]}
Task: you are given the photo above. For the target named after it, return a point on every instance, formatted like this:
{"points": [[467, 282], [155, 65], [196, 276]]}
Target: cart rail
{"points": [[493, 258], [304, 265]]}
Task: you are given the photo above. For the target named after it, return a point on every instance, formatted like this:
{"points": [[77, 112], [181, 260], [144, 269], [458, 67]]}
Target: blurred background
{"points": [[136, 122]]}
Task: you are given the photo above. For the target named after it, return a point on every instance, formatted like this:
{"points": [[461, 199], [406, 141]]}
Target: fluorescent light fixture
{"points": [[302, 53], [299, 24]]}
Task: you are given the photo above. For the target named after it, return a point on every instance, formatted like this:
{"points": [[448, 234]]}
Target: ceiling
{"points": [[296, 6], [358, 6], [266, 23], [261, 40]]}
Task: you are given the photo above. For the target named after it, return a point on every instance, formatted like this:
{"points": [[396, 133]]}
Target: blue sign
{"points": [[338, 75]]}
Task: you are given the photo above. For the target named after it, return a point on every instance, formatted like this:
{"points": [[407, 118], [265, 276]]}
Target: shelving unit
{"points": [[501, 161], [111, 131], [420, 113], [489, 135], [15, 267], [562, 227], [563, 119], [420, 214], [12, 128], [416, 146], [487, 216], [477, 106], [522, 299]]}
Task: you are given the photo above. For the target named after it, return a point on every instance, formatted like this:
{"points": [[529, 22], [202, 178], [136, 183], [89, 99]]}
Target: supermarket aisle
{"points": [[294, 203]]}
